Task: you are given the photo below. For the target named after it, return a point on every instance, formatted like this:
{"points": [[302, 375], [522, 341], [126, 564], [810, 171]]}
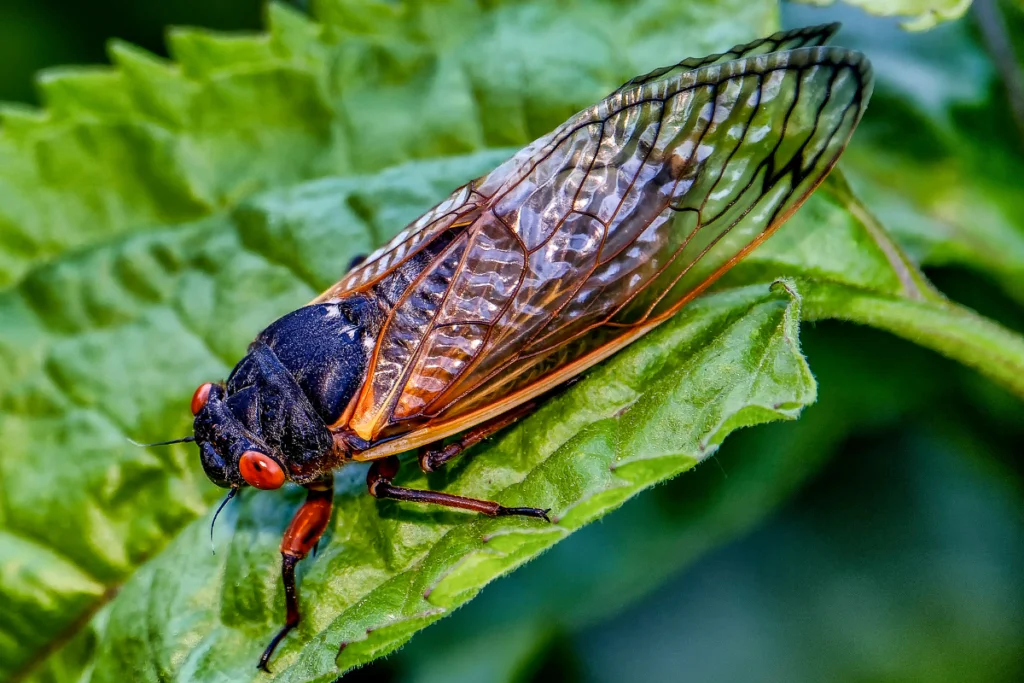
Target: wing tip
{"points": [[827, 55]]}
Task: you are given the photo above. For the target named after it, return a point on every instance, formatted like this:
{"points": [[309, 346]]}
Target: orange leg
{"points": [[303, 534]]}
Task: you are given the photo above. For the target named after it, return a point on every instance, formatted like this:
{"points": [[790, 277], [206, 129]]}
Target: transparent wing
{"points": [[457, 209], [601, 230], [463, 201]]}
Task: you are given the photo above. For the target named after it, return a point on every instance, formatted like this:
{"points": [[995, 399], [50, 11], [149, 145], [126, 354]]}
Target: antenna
{"points": [[185, 439]]}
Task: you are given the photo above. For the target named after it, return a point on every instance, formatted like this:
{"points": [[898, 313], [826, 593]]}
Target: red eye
{"points": [[200, 398], [260, 471]]}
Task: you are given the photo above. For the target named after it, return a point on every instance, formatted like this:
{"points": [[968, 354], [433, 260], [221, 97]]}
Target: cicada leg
{"points": [[436, 456], [303, 534], [378, 480]]}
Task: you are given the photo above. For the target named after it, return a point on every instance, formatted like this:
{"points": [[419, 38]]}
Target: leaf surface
{"points": [[123, 280]]}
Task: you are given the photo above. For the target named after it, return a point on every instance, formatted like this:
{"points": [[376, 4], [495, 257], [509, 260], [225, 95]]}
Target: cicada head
{"points": [[270, 422], [231, 454]]}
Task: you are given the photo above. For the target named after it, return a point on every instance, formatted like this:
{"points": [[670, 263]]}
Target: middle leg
{"points": [[378, 481]]}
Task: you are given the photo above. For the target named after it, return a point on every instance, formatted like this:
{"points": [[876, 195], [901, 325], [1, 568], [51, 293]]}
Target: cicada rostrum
{"points": [[576, 246]]}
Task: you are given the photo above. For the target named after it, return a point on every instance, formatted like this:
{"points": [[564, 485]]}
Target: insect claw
{"points": [[264, 662], [537, 513]]}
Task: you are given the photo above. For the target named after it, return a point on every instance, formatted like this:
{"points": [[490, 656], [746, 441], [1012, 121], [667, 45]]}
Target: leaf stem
{"points": [[915, 285], [952, 330]]}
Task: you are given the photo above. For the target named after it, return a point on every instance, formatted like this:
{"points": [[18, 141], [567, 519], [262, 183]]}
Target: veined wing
{"points": [[596, 233], [464, 200], [457, 210]]}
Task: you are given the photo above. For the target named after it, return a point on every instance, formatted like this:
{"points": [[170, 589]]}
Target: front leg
{"points": [[304, 532], [378, 480]]}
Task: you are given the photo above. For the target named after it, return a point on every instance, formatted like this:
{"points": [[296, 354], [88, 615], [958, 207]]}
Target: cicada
{"points": [[522, 279]]}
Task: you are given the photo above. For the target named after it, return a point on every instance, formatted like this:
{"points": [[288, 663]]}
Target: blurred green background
{"points": [[901, 559]]}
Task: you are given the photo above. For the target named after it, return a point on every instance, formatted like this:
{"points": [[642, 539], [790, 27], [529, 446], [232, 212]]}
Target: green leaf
{"points": [[825, 244], [579, 455], [152, 142], [849, 268], [923, 14], [141, 249]]}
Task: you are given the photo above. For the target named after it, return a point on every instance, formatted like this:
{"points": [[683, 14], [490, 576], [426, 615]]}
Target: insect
{"points": [[520, 280]]}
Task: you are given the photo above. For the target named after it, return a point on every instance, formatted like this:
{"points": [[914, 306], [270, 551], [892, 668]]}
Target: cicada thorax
{"points": [[296, 379]]}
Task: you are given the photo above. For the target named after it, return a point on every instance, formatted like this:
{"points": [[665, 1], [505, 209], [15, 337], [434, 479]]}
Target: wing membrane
{"points": [[458, 208], [599, 231]]}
